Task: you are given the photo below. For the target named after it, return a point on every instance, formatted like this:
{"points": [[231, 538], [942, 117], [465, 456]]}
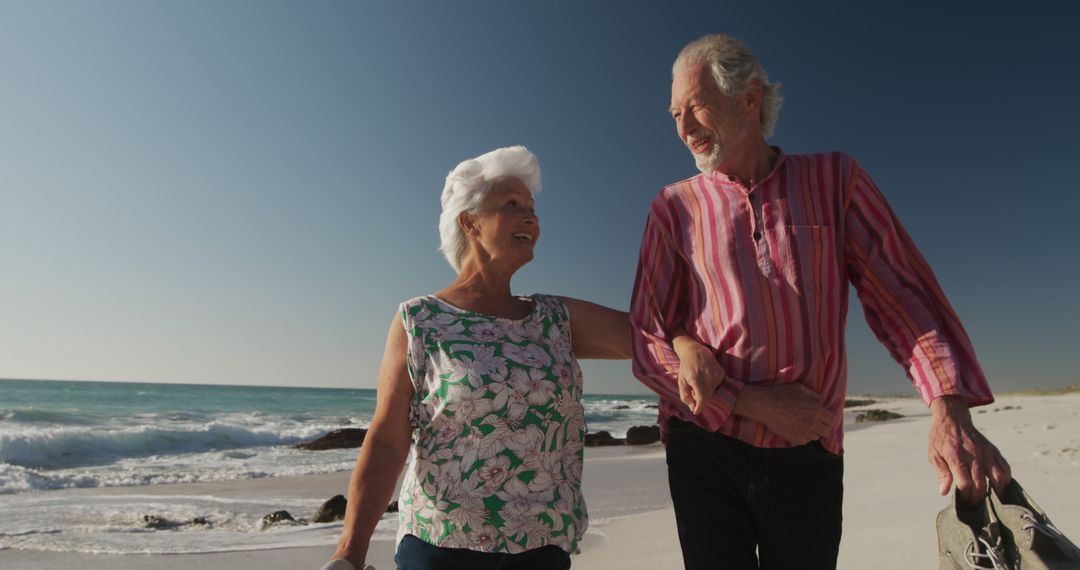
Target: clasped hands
{"points": [[792, 411], [959, 453]]}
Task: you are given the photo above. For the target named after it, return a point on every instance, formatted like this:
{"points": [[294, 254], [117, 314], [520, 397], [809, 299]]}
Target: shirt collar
{"points": [[726, 180]]}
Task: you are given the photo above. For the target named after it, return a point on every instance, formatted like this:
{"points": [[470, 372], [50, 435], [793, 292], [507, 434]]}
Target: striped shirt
{"points": [[761, 275]]}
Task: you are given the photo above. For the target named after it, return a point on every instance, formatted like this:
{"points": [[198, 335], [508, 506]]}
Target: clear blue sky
{"points": [[241, 192]]}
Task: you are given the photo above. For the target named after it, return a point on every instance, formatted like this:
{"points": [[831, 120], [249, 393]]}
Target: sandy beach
{"points": [[889, 509]]}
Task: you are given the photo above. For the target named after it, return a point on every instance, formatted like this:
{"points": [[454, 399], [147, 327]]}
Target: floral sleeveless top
{"points": [[499, 428]]}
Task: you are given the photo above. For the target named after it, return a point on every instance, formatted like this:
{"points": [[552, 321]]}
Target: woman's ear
{"points": [[468, 224]]}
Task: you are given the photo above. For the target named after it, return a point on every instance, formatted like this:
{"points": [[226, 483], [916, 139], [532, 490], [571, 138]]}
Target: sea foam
{"points": [[65, 447]]}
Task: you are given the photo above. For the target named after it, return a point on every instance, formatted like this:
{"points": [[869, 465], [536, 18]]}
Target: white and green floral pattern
{"points": [[499, 429]]}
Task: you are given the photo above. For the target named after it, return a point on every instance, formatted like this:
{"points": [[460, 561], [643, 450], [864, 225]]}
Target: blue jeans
{"points": [[740, 507], [415, 554]]}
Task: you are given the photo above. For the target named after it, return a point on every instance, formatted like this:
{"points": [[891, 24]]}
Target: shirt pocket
{"points": [[808, 258]]}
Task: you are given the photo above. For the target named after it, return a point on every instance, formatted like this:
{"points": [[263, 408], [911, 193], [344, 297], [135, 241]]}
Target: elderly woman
{"points": [[488, 384]]}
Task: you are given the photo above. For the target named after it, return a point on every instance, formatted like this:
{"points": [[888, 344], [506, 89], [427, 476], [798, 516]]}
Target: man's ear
{"points": [[753, 95]]}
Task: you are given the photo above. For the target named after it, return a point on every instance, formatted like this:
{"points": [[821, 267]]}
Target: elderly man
{"points": [[750, 261]]}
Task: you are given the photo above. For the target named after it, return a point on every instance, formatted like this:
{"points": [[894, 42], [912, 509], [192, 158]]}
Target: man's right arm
{"points": [[657, 309], [791, 411]]}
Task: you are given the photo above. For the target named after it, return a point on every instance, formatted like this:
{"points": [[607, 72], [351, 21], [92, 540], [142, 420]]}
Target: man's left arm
{"points": [[909, 313]]}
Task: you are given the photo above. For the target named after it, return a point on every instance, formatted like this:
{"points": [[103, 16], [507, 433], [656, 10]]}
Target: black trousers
{"points": [[740, 507]]}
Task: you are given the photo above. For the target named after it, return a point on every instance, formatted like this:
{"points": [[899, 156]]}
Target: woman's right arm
{"points": [[383, 454]]}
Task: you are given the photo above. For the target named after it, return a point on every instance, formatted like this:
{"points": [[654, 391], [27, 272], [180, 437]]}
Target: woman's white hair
{"points": [[469, 182], [733, 66]]}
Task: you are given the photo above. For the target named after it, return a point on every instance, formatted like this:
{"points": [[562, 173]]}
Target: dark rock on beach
{"points": [[855, 403], [637, 435], [332, 510], [337, 439], [601, 439], [157, 523], [277, 517], [876, 416], [642, 435]]}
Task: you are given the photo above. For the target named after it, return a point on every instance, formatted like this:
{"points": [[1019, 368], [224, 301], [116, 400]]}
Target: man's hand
{"points": [[791, 411], [962, 455], [699, 374]]}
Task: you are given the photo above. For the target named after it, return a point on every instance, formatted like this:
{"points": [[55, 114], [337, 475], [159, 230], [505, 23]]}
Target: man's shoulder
{"points": [[676, 189]]}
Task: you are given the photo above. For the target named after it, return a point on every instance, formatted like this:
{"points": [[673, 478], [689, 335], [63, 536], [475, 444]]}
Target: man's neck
{"points": [[752, 165]]}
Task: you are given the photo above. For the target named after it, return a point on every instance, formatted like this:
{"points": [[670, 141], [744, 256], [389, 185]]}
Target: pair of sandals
{"points": [[1003, 532]]}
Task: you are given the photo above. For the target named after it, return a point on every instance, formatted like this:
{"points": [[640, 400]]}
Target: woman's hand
{"points": [[699, 372], [340, 563], [344, 560]]}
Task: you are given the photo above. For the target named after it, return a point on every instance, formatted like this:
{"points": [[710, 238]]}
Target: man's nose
{"points": [[685, 125]]}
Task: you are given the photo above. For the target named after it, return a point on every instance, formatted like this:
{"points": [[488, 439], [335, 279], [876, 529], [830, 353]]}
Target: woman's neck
{"points": [[485, 289]]}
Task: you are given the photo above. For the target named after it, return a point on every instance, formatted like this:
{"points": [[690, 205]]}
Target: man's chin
{"points": [[707, 163]]}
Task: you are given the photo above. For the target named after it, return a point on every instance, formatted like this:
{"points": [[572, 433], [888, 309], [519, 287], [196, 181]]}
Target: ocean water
{"points": [[120, 438]]}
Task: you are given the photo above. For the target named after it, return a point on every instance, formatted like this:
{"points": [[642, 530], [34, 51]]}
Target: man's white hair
{"points": [[469, 182], [733, 67]]}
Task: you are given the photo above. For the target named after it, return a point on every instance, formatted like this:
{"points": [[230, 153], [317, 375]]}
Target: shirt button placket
{"points": [[761, 245]]}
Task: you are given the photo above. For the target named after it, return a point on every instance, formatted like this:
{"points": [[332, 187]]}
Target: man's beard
{"points": [[710, 161], [718, 146]]}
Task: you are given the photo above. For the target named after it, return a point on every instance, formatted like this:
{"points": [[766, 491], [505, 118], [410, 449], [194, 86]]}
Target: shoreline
{"points": [[889, 509]]}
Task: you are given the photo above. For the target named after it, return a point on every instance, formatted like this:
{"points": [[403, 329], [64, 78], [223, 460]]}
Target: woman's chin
{"points": [[523, 258]]}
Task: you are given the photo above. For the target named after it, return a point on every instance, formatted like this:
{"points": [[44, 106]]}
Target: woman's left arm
{"points": [[597, 331]]}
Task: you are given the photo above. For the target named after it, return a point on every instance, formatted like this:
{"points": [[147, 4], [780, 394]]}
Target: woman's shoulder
{"points": [[416, 301], [422, 305], [551, 303], [542, 298]]}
